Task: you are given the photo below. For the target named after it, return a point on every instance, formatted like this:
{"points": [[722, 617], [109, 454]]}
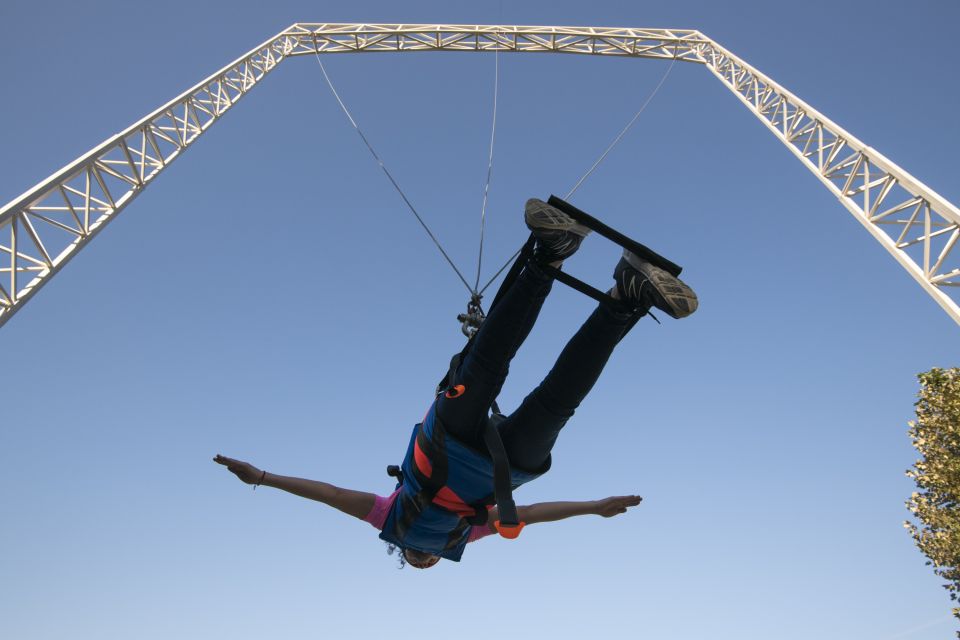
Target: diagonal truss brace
{"points": [[42, 229], [917, 226], [45, 227]]}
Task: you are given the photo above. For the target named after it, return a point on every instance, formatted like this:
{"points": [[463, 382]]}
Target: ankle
{"points": [[619, 315], [534, 270], [625, 310]]}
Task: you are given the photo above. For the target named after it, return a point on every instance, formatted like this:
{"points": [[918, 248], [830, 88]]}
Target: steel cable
{"points": [[386, 171], [596, 164]]}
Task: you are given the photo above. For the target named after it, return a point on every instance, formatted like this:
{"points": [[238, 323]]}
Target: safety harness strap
{"points": [[416, 503], [509, 524], [453, 538]]}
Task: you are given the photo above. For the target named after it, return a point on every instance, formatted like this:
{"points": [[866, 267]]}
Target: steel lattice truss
{"points": [[914, 224], [42, 229], [638, 43]]}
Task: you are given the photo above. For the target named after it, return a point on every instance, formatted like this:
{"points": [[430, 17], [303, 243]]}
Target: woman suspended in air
{"points": [[445, 498]]}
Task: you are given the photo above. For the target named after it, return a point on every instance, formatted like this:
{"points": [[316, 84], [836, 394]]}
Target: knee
{"points": [[557, 405]]}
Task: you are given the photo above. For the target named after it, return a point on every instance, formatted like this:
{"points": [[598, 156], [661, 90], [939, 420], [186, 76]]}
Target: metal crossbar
{"points": [[41, 230]]}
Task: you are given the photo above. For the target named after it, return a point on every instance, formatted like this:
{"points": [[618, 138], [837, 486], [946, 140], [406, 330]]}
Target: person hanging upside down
{"points": [[444, 499]]}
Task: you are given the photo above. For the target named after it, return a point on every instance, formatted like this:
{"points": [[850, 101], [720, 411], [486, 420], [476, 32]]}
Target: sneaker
{"points": [[644, 285], [558, 235]]}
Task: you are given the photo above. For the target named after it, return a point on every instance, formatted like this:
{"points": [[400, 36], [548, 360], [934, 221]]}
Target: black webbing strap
{"points": [[453, 538], [415, 504], [502, 484]]}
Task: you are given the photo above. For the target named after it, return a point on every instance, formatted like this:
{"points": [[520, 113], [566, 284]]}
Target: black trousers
{"points": [[530, 432]]}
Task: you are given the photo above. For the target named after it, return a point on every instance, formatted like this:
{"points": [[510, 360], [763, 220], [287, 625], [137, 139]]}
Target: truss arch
{"points": [[41, 230]]}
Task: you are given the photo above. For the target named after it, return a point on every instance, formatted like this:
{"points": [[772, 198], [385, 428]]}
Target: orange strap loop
{"points": [[456, 391]]}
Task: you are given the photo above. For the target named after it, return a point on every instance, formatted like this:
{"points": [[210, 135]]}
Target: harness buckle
{"points": [[394, 471]]}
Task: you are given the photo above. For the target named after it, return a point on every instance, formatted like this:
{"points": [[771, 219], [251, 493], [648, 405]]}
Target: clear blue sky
{"points": [[270, 298]]}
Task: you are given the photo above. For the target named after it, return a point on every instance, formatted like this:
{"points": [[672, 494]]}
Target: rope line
{"points": [[475, 291], [501, 270], [596, 164], [622, 133], [486, 188], [389, 175]]}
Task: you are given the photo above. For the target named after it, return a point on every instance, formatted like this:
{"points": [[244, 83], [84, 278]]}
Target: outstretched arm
{"points": [[553, 511], [355, 503]]}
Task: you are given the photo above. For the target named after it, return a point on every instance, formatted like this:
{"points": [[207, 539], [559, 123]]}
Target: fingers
{"points": [[229, 463], [236, 467], [615, 505]]}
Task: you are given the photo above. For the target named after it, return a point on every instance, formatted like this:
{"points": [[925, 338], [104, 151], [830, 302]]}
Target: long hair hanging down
{"points": [[391, 548]]}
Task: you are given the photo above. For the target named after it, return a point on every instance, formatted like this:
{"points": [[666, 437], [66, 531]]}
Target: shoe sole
{"points": [[676, 293], [540, 215]]}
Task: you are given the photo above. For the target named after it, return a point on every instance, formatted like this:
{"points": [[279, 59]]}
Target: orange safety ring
{"points": [[456, 391]]}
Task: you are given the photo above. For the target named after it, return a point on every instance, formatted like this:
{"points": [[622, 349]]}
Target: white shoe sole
{"points": [[540, 215]]}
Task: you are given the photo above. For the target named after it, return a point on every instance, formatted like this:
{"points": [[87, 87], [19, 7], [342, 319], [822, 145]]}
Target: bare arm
{"points": [[355, 503], [553, 511]]}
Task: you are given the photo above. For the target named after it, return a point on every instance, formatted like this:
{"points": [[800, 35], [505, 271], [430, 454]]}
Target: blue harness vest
{"points": [[445, 487]]}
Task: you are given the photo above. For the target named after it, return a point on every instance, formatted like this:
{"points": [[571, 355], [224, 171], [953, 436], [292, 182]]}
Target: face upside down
{"points": [[420, 559]]}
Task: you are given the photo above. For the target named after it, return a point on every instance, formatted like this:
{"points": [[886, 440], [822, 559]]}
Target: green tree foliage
{"points": [[936, 503]]}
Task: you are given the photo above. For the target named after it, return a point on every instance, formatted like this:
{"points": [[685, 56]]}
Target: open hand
{"points": [[243, 470], [609, 507]]}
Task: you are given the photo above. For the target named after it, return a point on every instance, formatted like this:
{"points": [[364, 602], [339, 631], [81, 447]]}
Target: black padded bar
{"points": [[581, 286], [615, 236], [596, 294]]}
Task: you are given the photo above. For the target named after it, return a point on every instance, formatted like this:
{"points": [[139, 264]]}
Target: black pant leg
{"points": [[485, 366], [530, 432]]}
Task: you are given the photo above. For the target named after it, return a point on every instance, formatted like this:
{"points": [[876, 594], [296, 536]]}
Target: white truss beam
{"points": [[42, 229], [917, 226], [45, 227], [637, 43]]}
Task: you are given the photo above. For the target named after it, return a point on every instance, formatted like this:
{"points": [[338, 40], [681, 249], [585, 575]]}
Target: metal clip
{"points": [[471, 320]]}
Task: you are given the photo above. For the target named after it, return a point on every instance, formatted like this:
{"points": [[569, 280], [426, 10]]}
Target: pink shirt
{"points": [[382, 506]]}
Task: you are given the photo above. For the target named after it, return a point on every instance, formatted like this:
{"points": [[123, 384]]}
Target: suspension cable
{"points": [[388, 174], [486, 188], [622, 133], [501, 270], [596, 164]]}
